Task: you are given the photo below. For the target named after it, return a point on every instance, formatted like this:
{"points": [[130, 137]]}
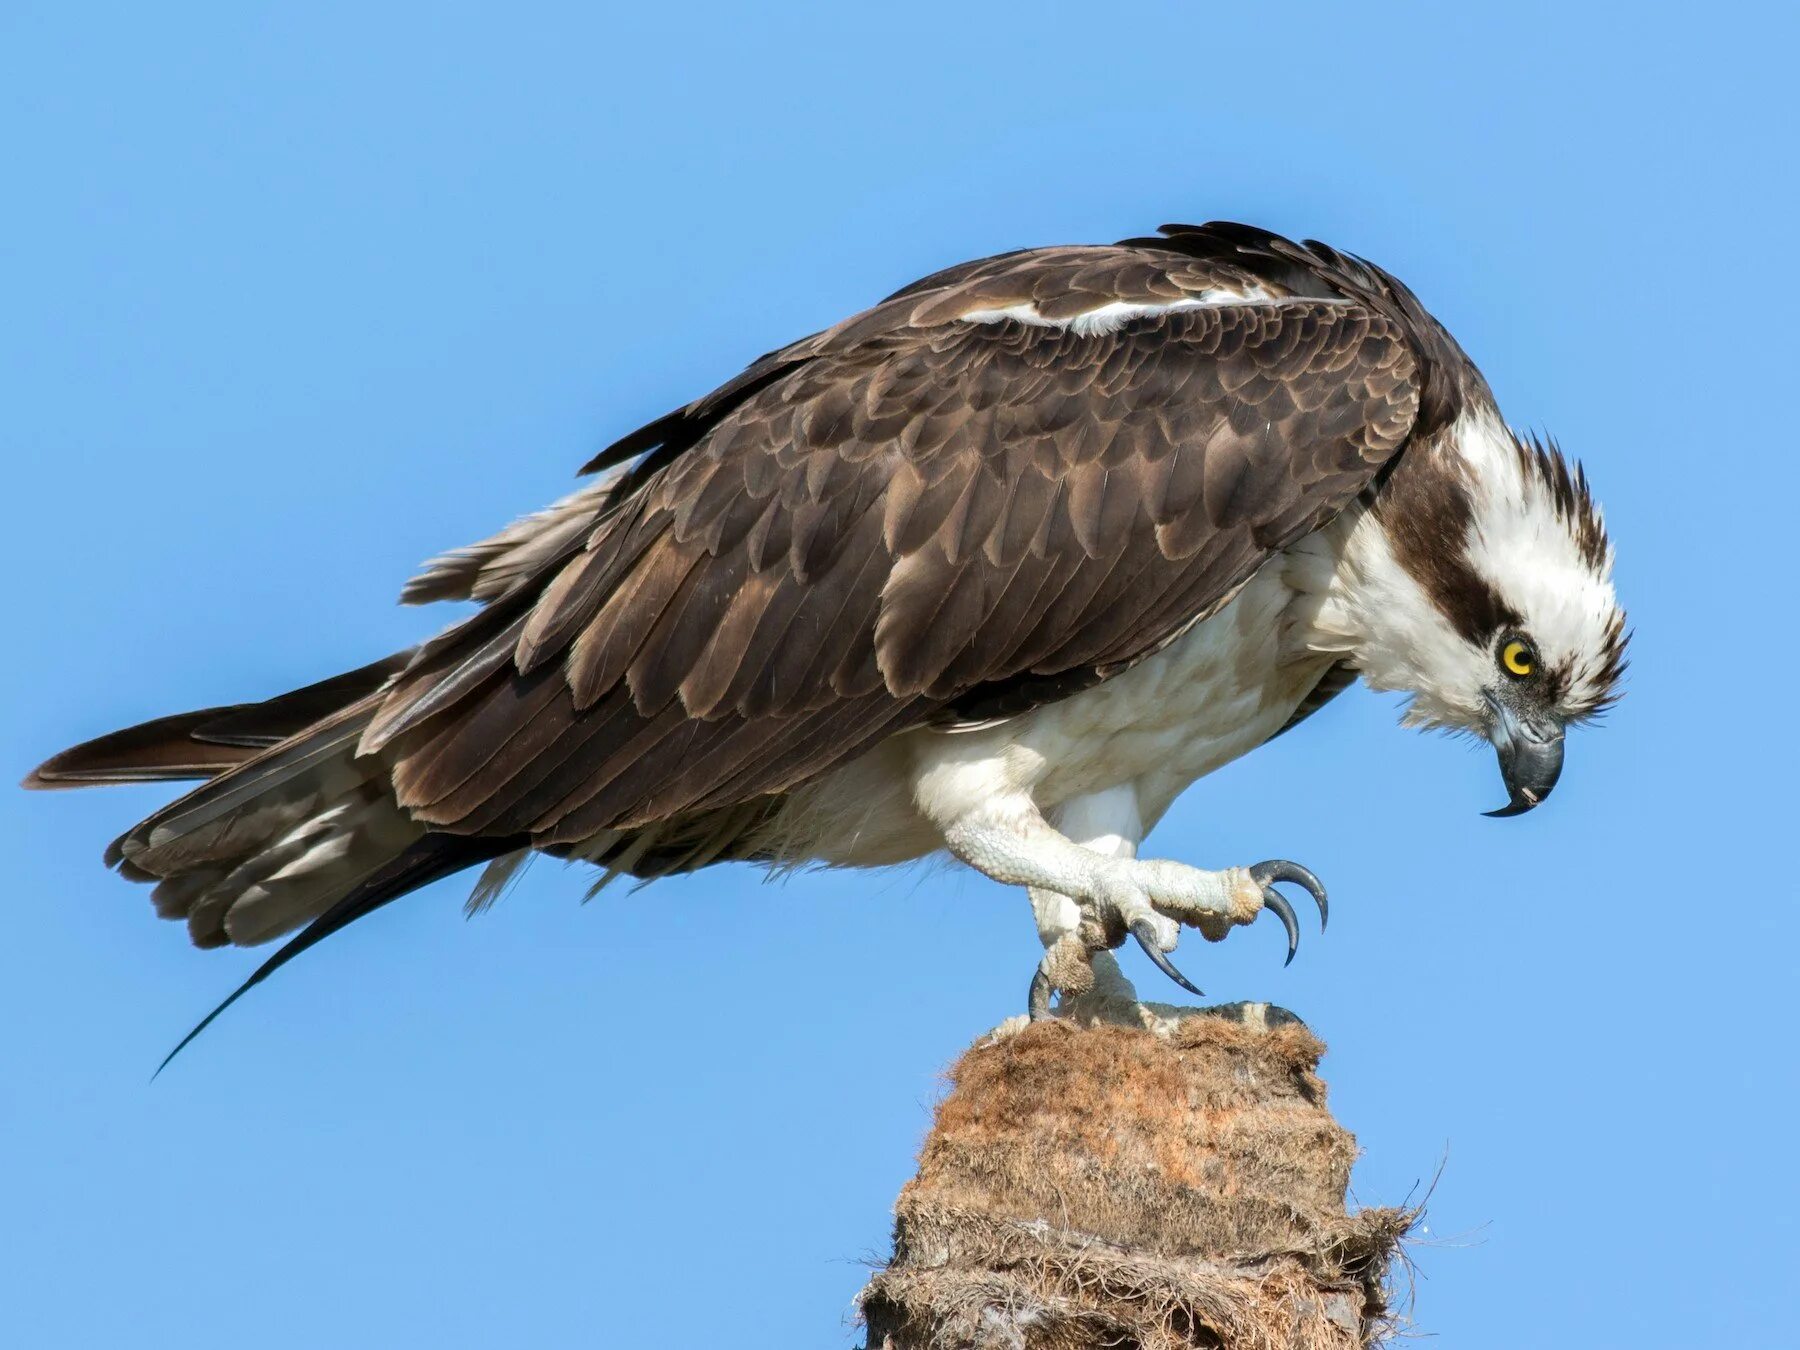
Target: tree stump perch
{"points": [[1136, 1176]]}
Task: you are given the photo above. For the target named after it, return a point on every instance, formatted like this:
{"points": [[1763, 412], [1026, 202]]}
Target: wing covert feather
{"points": [[909, 519]]}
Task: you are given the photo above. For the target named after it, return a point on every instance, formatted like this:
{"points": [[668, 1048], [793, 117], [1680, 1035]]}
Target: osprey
{"points": [[998, 566]]}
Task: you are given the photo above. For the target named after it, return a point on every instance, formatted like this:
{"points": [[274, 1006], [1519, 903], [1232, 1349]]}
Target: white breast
{"points": [[1218, 691], [1215, 693]]}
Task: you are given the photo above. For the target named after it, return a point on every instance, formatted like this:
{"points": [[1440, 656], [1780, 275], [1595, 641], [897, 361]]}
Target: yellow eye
{"points": [[1518, 658]]}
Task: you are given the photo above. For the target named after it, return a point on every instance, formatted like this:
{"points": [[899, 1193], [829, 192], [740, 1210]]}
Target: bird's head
{"points": [[1496, 611]]}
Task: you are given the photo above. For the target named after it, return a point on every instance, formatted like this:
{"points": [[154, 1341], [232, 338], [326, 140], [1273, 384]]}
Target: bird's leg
{"points": [[1006, 839], [1076, 958], [1076, 961]]}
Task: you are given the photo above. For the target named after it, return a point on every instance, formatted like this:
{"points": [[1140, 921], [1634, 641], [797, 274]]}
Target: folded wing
{"points": [[997, 487]]}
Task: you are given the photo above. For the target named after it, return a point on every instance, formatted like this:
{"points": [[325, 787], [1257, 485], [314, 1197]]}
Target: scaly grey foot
{"points": [[1010, 842], [1149, 899], [1174, 893]]}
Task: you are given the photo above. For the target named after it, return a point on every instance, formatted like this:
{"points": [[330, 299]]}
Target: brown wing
{"points": [[909, 517]]}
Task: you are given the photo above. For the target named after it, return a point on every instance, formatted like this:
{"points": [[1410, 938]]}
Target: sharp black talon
{"points": [[1264, 874], [1037, 1002], [1276, 902], [1146, 937]]}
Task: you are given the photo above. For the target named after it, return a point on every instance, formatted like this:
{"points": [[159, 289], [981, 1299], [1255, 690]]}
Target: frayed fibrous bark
{"points": [[1135, 1176]]}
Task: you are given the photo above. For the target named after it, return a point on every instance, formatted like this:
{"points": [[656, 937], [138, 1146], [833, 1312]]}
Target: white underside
{"points": [[1139, 739]]}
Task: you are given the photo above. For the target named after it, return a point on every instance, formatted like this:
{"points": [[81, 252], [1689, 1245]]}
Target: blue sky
{"points": [[296, 296]]}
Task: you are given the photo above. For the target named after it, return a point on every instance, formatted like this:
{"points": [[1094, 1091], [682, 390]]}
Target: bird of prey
{"points": [[998, 566]]}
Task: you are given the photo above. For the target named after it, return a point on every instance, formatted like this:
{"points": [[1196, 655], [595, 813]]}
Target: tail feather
{"points": [[274, 789], [427, 859], [288, 821], [166, 750], [291, 829], [210, 741], [285, 885], [275, 841]]}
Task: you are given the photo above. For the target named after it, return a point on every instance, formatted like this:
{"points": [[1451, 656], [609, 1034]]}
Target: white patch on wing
{"points": [[1111, 317]]}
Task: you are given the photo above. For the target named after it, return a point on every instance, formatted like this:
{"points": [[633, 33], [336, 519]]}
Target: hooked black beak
{"points": [[1531, 758]]}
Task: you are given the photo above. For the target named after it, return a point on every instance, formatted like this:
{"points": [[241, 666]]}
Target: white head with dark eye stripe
{"points": [[1483, 582]]}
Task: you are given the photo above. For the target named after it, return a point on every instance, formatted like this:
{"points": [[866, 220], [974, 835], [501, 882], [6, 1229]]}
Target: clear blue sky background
{"points": [[295, 296]]}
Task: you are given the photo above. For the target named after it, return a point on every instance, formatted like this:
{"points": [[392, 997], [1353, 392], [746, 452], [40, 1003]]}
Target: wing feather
{"points": [[904, 518]]}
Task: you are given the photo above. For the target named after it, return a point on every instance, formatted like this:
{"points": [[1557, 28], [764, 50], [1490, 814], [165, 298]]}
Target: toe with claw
{"points": [[1263, 876], [1037, 1002], [1266, 874], [1145, 913], [1146, 938]]}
